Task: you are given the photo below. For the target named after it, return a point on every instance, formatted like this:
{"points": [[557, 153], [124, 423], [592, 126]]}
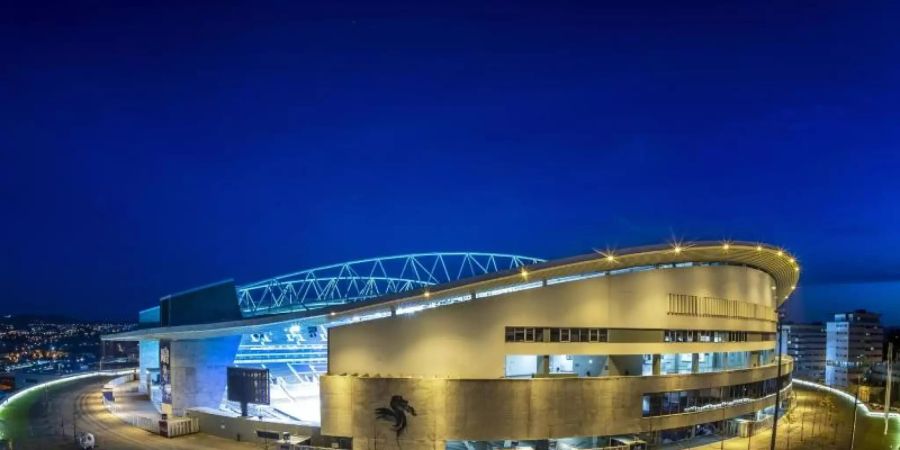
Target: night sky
{"points": [[149, 149]]}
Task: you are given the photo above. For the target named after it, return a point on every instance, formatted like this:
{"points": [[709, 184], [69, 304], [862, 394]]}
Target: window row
{"points": [[692, 305], [540, 334], [696, 400], [704, 336], [569, 334]]}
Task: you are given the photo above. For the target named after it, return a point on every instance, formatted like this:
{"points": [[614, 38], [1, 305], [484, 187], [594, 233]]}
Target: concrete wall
{"points": [[230, 426], [467, 339], [452, 409], [199, 371]]}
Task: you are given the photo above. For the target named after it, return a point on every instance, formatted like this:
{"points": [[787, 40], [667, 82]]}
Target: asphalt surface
{"points": [[53, 420]]}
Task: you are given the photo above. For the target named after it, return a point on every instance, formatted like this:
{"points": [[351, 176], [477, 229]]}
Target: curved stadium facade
{"points": [[651, 344]]}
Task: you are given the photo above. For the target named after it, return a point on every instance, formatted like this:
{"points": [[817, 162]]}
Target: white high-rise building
{"points": [[854, 341]]}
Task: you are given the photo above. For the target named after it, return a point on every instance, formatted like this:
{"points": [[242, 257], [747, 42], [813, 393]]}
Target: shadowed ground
{"points": [[44, 420]]}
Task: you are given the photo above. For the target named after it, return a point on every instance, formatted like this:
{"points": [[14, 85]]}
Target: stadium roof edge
{"points": [[777, 262]]}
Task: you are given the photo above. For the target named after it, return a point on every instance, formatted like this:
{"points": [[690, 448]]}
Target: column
{"points": [[149, 363], [754, 358], [695, 363], [543, 368], [198, 370], [657, 364]]}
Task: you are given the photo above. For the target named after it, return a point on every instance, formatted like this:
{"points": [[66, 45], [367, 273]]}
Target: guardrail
{"points": [[179, 426], [46, 384], [312, 447], [143, 422], [846, 396]]}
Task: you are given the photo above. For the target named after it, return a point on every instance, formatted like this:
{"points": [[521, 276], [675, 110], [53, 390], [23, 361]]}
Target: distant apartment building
{"points": [[805, 342], [854, 341]]}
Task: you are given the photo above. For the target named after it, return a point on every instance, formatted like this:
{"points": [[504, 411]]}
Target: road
{"points": [[50, 424]]}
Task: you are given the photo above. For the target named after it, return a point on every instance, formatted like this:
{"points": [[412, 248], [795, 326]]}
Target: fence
{"points": [[179, 426]]}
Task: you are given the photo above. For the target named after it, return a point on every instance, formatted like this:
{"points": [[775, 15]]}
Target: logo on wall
{"points": [[396, 413]]}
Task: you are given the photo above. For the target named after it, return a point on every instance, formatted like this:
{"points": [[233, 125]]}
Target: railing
{"points": [[311, 447], [180, 426], [6, 401], [143, 422]]}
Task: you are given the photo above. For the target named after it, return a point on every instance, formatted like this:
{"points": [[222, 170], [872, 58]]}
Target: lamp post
{"points": [[777, 385], [855, 403], [859, 377]]}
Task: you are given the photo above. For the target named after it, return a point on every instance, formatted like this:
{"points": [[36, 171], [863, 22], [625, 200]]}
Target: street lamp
{"points": [[859, 378]]}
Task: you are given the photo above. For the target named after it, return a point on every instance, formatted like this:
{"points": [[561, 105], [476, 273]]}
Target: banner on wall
{"points": [[165, 373]]}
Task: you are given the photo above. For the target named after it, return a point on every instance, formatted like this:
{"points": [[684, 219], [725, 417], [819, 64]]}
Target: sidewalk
{"points": [[132, 407]]}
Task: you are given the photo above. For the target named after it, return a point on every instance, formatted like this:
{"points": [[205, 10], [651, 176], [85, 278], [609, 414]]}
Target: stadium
{"points": [[656, 344]]}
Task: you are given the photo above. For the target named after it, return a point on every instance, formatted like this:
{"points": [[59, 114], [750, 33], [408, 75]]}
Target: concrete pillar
{"points": [[657, 364], [148, 361], [543, 368], [627, 365], [695, 363], [754, 358], [198, 369]]}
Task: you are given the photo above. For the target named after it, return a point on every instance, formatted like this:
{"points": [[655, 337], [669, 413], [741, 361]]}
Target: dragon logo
{"points": [[396, 413]]}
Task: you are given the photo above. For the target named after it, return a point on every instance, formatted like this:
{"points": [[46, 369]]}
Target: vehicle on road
{"points": [[86, 441]]}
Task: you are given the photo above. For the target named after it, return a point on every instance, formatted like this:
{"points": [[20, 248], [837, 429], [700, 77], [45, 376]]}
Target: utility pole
{"points": [[749, 434], [722, 431], [887, 391], [802, 423], [777, 385], [855, 403], [74, 422]]}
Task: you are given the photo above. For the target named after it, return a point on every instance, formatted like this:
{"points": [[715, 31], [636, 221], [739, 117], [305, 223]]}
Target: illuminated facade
{"points": [[651, 344], [805, 343], [854, 342]]}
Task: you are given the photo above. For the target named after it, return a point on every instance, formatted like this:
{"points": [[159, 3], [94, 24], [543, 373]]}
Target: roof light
{"points": [[676, 248], [759, 248], [726, 246], [427, 294], [524, 273], [780, 253]]}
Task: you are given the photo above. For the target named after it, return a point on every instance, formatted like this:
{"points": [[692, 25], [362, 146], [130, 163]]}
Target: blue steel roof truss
{"points": [[369, 278]]}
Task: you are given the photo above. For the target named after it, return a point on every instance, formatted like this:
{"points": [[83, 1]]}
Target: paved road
{"points": [[51, 425], [819, 421]]}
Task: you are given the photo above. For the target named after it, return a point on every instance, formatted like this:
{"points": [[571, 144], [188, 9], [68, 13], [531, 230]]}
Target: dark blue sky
{"points": [[148, 149]]}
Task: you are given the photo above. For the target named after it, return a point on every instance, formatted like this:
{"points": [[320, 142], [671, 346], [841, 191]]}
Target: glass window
{"points": [[663, 403]]}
